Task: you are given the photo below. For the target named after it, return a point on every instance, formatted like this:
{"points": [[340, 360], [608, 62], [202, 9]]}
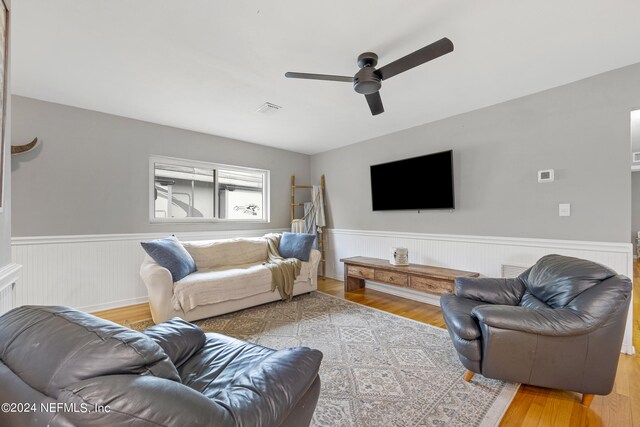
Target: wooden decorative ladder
{"points": [[322, 242]]}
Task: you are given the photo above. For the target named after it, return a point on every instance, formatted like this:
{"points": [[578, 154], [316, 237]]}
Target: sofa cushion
{"points": [[178, 338], [51, 348], [556, 279], [296, 245], [221, 284], [210, 254], [170, 254]]}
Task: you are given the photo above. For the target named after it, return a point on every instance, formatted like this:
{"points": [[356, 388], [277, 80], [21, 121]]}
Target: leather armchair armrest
{"points": [[141, 400], [265, 394], [490, 290], [546, 321]]}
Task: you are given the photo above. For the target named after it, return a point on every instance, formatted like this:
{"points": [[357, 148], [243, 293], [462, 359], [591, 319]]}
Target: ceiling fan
{"points": [[368, 80]]}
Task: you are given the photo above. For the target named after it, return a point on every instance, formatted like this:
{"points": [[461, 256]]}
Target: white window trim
{"points": [[266, 196]]}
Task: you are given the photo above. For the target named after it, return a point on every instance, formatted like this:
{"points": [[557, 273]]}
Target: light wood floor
{"points": [[532, 406]]}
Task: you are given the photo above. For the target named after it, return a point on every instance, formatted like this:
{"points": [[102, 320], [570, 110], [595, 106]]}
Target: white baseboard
{"points": [[404, 293], [113, 304]]}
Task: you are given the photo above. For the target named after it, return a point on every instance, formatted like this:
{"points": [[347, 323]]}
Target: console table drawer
{"points": [[432, 285], [419, 277], [391, 277], [358, 271]]}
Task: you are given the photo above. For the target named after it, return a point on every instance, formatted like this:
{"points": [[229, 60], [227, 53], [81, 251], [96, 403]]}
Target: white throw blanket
{"points": [[314, 218], [297, 226]]}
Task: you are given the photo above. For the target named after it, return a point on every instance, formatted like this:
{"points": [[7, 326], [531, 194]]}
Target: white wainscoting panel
{"points": [[7, 299], [8, 278], [486, 255], [91, 272]]}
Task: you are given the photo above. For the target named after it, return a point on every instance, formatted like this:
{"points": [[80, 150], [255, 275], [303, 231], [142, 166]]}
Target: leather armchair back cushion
{"points": [[530, 301], [228, 252], [556, 279], [597, 304], [50, 348]]}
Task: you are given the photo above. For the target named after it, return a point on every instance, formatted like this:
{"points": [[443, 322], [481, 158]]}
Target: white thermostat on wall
{"points": [[545, 175]]}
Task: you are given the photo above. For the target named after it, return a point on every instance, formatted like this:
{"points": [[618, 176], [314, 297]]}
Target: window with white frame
{"points": [[194, 191]]}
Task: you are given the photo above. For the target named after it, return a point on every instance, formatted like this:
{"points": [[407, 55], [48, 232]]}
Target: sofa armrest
{"points": [[141, 400], [314, 260], [490, 290], [159, 283], [265, 394], [545, 321]]}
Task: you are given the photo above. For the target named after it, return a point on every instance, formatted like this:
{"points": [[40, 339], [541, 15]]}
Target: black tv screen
{"points": [[424, 182]]}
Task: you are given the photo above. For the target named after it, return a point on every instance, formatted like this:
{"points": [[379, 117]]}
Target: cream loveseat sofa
{"points": [[230, 276]]}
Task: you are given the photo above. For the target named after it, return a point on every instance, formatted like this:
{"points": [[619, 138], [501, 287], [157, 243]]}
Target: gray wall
{"points": [[635, 132], [581, 130], [90, 174], [5, 215], [635, 207]]}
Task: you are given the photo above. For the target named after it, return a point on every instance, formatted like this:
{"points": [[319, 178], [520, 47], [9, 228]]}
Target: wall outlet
{"points": [[564, 209]]}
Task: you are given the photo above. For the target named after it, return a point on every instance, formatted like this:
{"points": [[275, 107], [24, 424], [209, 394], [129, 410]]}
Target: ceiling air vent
{"points": [[636, 157], [268, 108]]}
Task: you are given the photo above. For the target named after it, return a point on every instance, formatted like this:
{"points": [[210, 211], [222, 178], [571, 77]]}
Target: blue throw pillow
{"points": [[170, 254], [296, 245]]}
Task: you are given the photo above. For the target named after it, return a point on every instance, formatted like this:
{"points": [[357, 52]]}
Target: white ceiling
{"points": [[207, 65]]}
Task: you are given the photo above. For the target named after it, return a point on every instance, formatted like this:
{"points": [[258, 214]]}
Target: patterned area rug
{"points": [[379, 369]]}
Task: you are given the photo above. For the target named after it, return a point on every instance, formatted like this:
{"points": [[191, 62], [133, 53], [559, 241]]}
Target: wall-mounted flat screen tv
{"points": [[418, 183]]}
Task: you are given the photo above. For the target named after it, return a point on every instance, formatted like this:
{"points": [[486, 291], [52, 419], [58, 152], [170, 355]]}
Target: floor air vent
{"points": [[513, 270]]}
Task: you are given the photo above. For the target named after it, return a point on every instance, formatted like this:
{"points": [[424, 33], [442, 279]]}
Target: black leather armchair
{"points": [[560, 324], [60, 367]]}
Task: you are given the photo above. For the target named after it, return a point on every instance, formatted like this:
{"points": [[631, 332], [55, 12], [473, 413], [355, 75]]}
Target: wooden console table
{"points": [[425, 278]]}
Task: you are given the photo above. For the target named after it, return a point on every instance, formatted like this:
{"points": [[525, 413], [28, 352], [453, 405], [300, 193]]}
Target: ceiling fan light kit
{"points": [[368, 80]]}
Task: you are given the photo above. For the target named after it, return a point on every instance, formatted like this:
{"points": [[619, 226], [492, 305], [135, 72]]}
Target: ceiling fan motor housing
{"points": [[366, 81]]}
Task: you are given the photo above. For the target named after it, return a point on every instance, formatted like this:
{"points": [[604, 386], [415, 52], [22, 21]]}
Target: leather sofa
{"points": [[560, 324], [61, 367], [231, 268]]}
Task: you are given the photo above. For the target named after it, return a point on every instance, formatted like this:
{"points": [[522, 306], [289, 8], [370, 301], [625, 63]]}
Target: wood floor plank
{"points": [[557, 409], [124, 315], [532, 406]]}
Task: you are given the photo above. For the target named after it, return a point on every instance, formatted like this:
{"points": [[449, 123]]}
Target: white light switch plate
{"points": [[564, 209]]}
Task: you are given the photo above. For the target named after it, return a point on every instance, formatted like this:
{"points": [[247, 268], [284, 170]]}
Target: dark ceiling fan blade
{"points": [[375, 103], [419, 57], [319, 77]]}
